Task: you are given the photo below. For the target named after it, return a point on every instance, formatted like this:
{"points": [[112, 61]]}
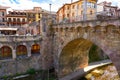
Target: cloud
{"points": [[56, 4]]}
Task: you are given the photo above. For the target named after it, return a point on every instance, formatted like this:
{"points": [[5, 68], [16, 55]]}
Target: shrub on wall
{"points": [[94, 54], [31, 71]]}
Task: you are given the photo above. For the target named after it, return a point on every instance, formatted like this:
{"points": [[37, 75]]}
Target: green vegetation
{"points": [[5, 77], [96, 54], [31, 71], [33, 75]]}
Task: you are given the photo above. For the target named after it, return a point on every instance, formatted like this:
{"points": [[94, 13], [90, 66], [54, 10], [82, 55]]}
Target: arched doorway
{"points": [[21, 50], [74, 56], [5, 52], [35, 49]]}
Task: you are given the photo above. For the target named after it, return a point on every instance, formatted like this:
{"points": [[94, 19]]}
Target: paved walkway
{"points": [[79, 73]]}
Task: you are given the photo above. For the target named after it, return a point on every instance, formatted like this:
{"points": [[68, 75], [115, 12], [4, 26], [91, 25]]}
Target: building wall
{"points": [[16, 18], [20, 63], [106, 9], [74, 11], [3, 16]]}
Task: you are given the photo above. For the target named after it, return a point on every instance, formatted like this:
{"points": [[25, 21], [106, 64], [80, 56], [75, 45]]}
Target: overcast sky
{"points": [[56, 4]]}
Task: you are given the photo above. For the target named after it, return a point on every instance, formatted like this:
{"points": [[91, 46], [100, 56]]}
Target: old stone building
{"points": [[16, 18], [106, 9], [3, 13], [75, 11]]}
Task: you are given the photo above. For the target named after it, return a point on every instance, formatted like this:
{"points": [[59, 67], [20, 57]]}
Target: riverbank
{"points": [[107, 72]]}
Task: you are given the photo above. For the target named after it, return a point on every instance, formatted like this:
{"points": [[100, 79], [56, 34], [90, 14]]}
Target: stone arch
{"points": [[74, 55], [5, 52], [35, 49], [21, 50]]}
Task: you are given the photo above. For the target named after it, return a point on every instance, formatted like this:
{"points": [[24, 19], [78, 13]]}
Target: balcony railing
{"points": [[15, 38]]}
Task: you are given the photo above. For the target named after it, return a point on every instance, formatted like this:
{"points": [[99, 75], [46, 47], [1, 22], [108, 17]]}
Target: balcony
{"points": [[19, 38]]}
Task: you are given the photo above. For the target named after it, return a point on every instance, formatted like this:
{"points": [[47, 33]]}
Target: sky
{"points": [[56, 4]]}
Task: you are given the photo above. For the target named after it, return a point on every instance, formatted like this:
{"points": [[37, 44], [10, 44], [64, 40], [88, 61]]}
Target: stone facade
{"points": [[16, 64], [103, 33]]}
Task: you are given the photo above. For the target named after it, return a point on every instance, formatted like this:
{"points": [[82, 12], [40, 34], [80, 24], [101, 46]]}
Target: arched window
{"points": [[5, 52], [35, 49], [21, 50]]}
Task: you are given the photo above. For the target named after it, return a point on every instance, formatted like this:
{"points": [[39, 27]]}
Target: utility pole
{"points": [[85, 10]]}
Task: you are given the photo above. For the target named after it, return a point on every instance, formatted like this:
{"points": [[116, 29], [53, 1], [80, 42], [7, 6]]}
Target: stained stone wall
{"points": [[21, 64], [12, 67]]}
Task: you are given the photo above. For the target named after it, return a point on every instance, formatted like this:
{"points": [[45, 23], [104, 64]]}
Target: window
{"points": [[104, 9], [77, 6], [23, 20], [73, 6], [73, 15], [5, 52], [91, 12], [68, 8], [21, 50], [9, 19], [35, 49], [81, 12], [67, 15], [3, 19], [14, 20], [3, 14], [18, 20]]}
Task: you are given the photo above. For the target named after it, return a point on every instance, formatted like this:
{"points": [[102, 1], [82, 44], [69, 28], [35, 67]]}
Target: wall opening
{"points": [[35, 49], [21, 51], [5, 52]]}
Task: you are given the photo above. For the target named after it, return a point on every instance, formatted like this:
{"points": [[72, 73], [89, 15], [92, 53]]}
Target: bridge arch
{"points": [[75, 55], [5, 52]]}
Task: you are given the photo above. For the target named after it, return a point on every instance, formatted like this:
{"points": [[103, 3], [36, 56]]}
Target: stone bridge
{"points": [[72, 42]]}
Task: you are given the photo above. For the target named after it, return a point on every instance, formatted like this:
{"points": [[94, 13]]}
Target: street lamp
{"points": [[50, 7]]}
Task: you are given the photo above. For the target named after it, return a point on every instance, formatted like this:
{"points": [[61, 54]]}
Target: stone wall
{"points": [[12, 67]]}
